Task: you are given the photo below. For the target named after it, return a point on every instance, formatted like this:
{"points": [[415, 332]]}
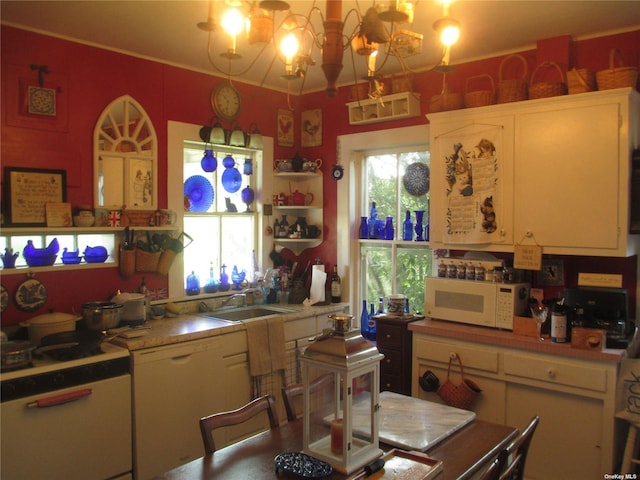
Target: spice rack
{"points": [[384, 109]]}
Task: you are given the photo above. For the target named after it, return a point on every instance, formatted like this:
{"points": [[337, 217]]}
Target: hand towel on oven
{"points": [[265, 339]]}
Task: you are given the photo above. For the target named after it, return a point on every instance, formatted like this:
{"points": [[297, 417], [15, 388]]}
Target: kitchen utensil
{"points": [[49, 323], [101, 315], [16, 354], [134, 308], [370, 469], [70, 345]]}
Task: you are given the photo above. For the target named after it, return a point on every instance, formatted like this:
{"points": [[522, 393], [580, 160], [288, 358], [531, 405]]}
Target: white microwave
{"points": [[475, 302]]}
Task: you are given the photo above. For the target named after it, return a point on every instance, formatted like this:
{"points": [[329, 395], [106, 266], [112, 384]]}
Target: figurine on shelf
{"points": [[224, 280]]}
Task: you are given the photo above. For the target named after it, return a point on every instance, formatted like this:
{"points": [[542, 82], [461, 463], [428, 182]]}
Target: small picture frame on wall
{"points": [[28, 191], [285, 128], [551, 274], [311, 128]]}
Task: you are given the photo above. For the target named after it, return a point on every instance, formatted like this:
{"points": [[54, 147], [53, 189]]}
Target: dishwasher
{"points": [[173, 387]]}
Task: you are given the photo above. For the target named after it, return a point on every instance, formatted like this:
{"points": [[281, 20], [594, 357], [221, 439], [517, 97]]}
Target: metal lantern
{"points": [[341, 376]]}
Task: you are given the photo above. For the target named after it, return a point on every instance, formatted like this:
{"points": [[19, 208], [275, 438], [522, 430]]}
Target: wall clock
{"points": [[226, 102]]}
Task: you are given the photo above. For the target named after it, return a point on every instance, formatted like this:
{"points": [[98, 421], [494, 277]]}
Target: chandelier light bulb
{"points": [[289, 47], [449, 35], [371, 65]]}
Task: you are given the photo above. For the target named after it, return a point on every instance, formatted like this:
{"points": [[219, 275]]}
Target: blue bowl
{"points": [[69, 260], [96, 258], [40, 260]]}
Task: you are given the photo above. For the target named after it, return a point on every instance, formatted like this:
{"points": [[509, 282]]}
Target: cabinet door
{"points": [[567, 178], [472, 180], [567, 442]]}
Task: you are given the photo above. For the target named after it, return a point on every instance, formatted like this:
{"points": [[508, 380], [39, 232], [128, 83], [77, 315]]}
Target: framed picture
{"points": [[311, 124], [551, 274], [285, 128], [58, 214], [27, 192], [140, 183]]}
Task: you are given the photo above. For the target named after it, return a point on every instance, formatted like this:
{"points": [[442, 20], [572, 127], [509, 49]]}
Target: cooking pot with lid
{"points": [[102, 315], [16, 354], [48, 323]]}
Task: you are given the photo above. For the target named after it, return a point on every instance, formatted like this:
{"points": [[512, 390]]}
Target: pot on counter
{"points": [[48, 323], [102, 315], [16, 354]]}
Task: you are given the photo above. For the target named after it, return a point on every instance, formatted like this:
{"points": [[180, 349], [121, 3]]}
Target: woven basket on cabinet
{"points": [[480, 98], [581, 80], [547, 89], [616, 77], [515, 89], [446, 101]]}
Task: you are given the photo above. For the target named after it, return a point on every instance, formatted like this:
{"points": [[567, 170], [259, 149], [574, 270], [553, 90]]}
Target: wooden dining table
{"points": [[463, 453]]}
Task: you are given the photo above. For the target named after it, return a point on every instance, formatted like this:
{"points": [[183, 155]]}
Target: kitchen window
{"points": [[224, 228], [393, 266]]}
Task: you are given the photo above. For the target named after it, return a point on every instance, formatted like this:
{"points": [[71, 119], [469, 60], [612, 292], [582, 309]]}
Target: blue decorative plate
{"points": [[200, 192], [416, 179], [231, 180]]}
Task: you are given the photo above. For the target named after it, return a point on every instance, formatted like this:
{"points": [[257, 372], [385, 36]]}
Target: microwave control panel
{"points": [[512, 300]]}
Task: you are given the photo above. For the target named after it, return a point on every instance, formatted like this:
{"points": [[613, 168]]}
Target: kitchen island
{"points": [[572, 390]]}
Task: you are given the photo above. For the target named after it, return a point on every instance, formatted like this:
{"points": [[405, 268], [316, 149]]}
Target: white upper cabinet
{"points": [[561, 178]]}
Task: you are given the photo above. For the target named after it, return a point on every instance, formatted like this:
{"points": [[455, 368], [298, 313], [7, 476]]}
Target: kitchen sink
{"points": [[237, 314]]}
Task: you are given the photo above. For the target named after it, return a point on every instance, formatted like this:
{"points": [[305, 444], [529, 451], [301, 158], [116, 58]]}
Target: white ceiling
{"points": [[166, 31]]}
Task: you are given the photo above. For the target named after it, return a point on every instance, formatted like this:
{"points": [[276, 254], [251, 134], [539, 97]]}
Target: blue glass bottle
{"points": [[419, 217], [389, 231], [407, 227], [193, 284], [364, 228], [373, 222], [372, 325], [364, 320]]}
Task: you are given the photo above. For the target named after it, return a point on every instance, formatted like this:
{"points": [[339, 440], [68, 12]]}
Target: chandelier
{"points": [[274, 31]]}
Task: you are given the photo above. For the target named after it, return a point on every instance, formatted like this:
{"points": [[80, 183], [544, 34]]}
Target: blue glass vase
{"points": [[389, 231], [419, 217], [407, 228], [364, 228], [209, 162]]}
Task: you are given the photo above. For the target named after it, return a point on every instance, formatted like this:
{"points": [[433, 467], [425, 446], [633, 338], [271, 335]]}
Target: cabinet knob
{"points": [[388, 335], [551, 372], [387, 360]]}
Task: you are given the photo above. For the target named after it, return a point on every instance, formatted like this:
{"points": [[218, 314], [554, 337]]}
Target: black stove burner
{"points": [[17, 367]]}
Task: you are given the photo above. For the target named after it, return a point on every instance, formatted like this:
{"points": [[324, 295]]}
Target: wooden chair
{"points": [[234, 417], [518, 452], [495, 467], [296, 390]]}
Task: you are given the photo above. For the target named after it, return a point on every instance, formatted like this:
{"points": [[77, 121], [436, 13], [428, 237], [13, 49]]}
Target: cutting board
{"points": [[410, 423]]}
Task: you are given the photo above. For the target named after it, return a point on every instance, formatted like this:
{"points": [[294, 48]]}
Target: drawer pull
{"points": [[388, 335], [551, 372], [387, 361]]}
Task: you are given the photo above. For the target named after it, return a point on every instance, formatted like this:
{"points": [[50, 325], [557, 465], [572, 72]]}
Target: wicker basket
{"points": [[165, 262], [547, 89], [146, 261], [616, 77], [446, 101], [515, 89], [581, 80], [127, 263], [480, 98]]}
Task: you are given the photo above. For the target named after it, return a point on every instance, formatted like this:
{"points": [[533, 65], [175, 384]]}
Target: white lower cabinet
{"points": [[575, 398]]}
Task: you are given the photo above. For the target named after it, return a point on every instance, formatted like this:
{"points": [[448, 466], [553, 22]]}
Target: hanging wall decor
{"points": [[285, 128], [311, 128]]}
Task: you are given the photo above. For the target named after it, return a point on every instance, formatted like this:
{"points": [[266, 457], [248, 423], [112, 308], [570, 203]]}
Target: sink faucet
{"points": [[241, 297]]}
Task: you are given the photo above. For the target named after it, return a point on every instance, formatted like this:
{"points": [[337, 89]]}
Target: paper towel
{"points": [[318, 282]]}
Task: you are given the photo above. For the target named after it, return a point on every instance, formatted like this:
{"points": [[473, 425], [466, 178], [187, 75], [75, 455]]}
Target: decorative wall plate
{"points": [[4, 298], [416, 179], [200, 192], [231, 180], [30, 295]]}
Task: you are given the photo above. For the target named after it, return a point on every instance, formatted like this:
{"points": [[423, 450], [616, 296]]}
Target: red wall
{"points": [[92, 78]]}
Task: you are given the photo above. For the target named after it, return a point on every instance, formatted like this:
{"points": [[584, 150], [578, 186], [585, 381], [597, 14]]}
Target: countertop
{"points": [[194, 326], [504, 338]]}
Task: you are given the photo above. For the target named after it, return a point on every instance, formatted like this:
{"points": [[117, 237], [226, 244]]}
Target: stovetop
{"points": [[48, 374]]}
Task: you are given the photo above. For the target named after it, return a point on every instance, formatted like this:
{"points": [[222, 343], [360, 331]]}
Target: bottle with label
{"points": [[380, 306], [558, 330], [364, 320], [407, 227], [372, 324], [336, 286]]}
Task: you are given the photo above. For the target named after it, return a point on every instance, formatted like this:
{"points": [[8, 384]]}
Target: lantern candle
{"points": [[336, 436]]}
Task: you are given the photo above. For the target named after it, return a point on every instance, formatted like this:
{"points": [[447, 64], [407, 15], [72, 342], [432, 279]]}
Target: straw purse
{"points": [[616, 77], [462, 395]]}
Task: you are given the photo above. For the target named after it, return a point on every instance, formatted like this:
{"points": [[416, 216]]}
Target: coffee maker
{"points": [[604, 308]]}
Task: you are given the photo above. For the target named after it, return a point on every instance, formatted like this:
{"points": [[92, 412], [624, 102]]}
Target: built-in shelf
{"points": [[384, 109]]}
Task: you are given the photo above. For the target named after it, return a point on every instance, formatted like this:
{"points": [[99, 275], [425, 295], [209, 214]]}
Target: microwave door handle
{"points": [[60, 399]]}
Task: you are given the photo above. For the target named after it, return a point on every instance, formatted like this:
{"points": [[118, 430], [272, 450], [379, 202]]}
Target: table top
{"points": [[411, 423], [463, 453]]}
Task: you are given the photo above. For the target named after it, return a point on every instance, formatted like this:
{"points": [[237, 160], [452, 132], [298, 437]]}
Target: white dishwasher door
{"points": [[173, 387]]}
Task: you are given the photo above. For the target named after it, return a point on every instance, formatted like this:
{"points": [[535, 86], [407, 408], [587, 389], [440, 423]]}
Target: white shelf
{"points": [[390, 107]]}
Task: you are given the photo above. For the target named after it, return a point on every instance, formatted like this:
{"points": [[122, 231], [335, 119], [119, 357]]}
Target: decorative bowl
{"points": [[83, 220], [71, 260], [42, 260], [95, 254]]}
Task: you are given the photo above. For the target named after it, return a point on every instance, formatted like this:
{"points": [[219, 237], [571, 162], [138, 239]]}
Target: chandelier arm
{"points": [[273, 60]]}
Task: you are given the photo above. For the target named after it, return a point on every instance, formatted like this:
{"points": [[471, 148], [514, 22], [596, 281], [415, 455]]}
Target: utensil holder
{"points": [[166, 260], [127, 264], [147, 261]]}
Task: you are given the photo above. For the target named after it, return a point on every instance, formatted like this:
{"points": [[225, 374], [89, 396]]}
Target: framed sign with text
{"points": [[28, 190]]}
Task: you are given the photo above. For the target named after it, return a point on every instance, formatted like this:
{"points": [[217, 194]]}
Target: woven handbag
{"points": [[461, 395], [616, 77]]}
